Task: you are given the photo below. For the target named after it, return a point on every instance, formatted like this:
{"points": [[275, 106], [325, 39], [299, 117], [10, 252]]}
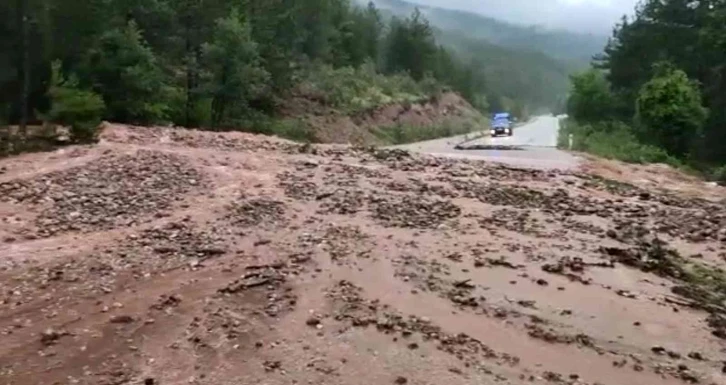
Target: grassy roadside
{"points": [[406, 133], [611, 140], [615, 140], [300, 130]]}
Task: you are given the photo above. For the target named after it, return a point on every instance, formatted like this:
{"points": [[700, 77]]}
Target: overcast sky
{"points": [[596, 16]]}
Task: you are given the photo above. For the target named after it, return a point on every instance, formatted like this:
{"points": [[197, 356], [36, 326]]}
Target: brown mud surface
{"points": [[333, 126], [162, 256]]}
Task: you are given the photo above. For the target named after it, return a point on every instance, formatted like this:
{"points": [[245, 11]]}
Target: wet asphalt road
{"points": [[532, 145]]}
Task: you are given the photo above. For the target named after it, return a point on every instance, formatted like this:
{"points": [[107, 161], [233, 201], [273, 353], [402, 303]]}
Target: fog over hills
{"points": [[572, 47], [584, 16]]}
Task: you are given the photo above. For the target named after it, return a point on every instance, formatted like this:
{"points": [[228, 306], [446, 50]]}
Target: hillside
{"points": [[537, 78], [165, 256], [571, 47], [225, 68], [528, 64]]}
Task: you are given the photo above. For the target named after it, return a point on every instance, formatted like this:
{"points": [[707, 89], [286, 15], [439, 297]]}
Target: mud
{"points": [[167, 257]]}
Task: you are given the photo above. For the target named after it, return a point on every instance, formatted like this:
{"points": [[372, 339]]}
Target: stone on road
{"points": [[532, 145]]}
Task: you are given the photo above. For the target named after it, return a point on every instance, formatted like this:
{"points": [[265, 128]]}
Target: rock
{"points": [[313, 321], [400, 380], [271, 366], [51, 336], [542, 282], [106, 193], [695, 356], [658, 349], [121, 319]]}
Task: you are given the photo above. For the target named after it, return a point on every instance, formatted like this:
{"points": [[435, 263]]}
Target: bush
{"points": [[71, 106], [354, 90], [612, 140], [199, 115], [406, 133], [670, 111], [719, 175], [124, 70], [293, 129], [590, 98]]}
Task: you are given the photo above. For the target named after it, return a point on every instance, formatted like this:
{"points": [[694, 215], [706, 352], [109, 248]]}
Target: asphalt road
{"points": [[532, 145]]}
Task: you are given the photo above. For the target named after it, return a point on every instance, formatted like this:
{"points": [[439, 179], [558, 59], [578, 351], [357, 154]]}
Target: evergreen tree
{"points": [[411, 46], [237, 74], [590, 98], [670, 113], [124, 70]]}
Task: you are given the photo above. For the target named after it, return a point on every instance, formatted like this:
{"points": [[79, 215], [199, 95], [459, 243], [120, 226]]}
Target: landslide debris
{"points": [[352, 308], [178, 241], [702, 286], [413, 211], [114, 191], [256, 211], [255, 285]]}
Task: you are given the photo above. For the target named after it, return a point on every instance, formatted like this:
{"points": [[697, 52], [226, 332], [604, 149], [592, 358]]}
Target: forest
{"points": [[220, 64], [658, 91]]}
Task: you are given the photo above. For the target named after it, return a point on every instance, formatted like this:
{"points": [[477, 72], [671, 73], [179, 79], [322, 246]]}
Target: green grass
{"points": [[719, 175], [612, 140], [293, 129], [352, 90], [405, 133]]}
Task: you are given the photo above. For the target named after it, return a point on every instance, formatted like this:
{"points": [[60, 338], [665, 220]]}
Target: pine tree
{"points": [[238, 75], [669, 109], [124, 70]]}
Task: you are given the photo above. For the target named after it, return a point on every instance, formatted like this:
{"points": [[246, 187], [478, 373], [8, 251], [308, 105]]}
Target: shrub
{"points": [[590, 97], [354, 90], [612, 140], [199, 115], [293, 129], [407, 133], [670, 111], [124, 70], [74, 107], [719, 175]]}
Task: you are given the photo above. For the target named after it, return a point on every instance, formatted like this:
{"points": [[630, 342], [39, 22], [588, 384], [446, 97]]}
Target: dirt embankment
{"points": [[164, 256], [331, 126]]}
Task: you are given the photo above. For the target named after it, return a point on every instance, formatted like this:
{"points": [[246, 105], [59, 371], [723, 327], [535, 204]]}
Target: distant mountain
{"points": [[564, 45], [532, 77], [584, 16]]}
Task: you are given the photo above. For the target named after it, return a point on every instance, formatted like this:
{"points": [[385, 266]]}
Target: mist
{"points": [[585, 16]]}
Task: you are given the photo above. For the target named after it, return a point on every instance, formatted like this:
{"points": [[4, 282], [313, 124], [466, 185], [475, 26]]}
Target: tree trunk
{"points": [[23, 68], [190, 79]]}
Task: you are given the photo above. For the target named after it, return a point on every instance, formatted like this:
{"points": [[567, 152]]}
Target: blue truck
{"points": [[502, 124]]}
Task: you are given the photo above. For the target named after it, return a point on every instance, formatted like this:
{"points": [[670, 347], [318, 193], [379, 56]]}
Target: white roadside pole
{"points": [[569, 141]]}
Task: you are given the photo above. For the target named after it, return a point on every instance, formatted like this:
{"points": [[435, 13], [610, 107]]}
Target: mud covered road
{"points": [[532, 146], [180, 257]]}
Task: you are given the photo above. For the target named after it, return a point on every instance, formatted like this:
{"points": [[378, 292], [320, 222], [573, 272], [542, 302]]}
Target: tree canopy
{"points": [[664, 71]]}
